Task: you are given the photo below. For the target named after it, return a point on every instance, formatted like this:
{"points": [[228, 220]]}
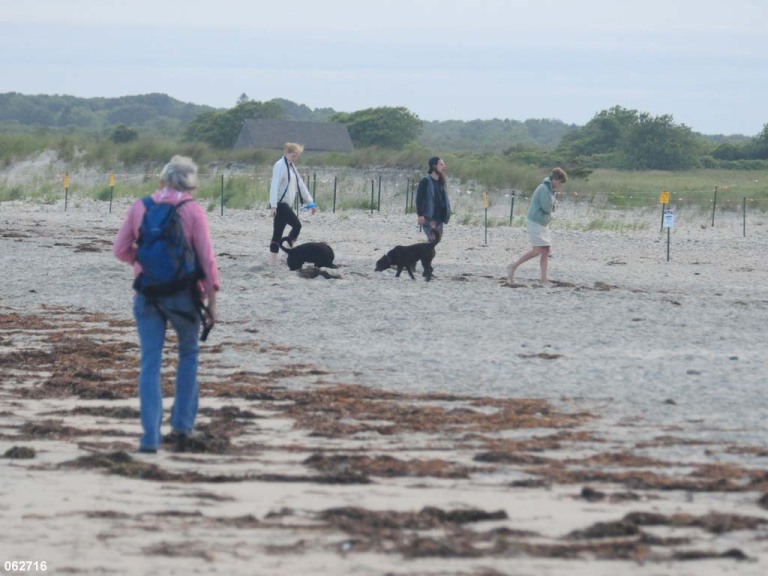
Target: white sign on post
{"points": [[669, 218]]}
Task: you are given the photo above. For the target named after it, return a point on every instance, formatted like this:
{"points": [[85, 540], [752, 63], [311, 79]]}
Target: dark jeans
{"points": [[284, 216], [427, 229]]}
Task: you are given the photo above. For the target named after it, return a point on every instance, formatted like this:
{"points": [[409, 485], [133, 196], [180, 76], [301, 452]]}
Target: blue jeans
{"points": [[180, 310]]}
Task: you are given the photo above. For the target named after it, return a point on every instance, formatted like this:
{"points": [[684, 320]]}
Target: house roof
{"points": [[314, 136]]}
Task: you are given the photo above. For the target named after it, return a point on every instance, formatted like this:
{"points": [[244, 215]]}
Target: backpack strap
{"points": [[298, 184], [202, 310], [205, 313], [149, 202], [298, 187], [287, 169], [180, 204]]}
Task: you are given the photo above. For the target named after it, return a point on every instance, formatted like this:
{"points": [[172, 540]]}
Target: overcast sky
{"points": [[705, 62]]}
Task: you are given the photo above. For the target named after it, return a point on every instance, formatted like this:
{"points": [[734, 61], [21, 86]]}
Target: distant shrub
{"points": [[744, 164], [710, 162], [122, 134]]}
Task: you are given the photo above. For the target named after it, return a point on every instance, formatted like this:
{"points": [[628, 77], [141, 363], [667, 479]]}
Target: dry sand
{"points": [[614, 423]]}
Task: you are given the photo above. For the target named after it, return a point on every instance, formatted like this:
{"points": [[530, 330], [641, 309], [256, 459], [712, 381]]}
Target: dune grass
{"points": [[348, 181]]}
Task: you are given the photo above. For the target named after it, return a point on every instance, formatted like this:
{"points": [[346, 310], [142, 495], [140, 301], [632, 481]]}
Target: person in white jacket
{"points": [[286, 183]]}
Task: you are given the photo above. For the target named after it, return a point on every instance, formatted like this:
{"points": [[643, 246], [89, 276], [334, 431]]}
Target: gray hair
{"points": [[180, 174]]}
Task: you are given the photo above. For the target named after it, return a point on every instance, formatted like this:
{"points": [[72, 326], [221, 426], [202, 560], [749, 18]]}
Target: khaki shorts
{"points": [[539, 235]]}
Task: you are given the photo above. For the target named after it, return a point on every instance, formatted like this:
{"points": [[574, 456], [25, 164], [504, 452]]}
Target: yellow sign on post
{"points": [[486, 201], [111, 179], [66, 181], [664, 198]]}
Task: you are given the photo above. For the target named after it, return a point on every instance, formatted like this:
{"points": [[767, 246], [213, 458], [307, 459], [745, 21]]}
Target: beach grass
{"points": [[388, 179]]}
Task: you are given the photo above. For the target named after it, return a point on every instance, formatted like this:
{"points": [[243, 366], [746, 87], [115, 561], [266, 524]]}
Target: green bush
{"points": [[104, 193], [122, 134], [11, 193]]}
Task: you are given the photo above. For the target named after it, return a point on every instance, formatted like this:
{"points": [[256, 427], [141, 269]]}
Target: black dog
{"points": [[317, 253], [407, 256]]}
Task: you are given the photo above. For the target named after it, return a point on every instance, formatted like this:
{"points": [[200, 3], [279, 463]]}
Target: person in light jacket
{"points": [[539, 217], [286, 183]]}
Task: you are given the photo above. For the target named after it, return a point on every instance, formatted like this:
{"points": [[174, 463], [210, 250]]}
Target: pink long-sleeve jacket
{"points": [[194, 223]]}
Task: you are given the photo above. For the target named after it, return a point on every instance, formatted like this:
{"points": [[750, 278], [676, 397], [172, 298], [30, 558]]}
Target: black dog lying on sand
{"points": [[317, 253], [407, 256]]}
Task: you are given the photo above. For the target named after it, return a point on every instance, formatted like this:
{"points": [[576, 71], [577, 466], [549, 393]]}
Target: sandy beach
{"points": [[363, 424]]}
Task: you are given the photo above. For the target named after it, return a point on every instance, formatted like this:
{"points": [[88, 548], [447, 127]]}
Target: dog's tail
{"points": [[436, 236], [283, 241]]}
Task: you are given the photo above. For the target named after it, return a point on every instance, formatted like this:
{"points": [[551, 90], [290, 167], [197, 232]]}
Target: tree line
{"points": [[151, 112], [615, 138], [632, 140], [383, 127]]}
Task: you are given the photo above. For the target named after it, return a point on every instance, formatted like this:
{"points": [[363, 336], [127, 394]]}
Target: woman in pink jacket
{"points": [[152, 313]]}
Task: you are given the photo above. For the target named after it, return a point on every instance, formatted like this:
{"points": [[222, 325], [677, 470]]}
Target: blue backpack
{"points": [[168, 262]]}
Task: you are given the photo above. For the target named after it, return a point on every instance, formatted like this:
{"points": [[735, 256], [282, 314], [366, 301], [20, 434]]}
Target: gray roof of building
{"points": [[314, 136]]}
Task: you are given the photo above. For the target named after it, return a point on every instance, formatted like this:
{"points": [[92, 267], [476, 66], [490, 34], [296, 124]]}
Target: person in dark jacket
{"points": [[432, 205]]}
